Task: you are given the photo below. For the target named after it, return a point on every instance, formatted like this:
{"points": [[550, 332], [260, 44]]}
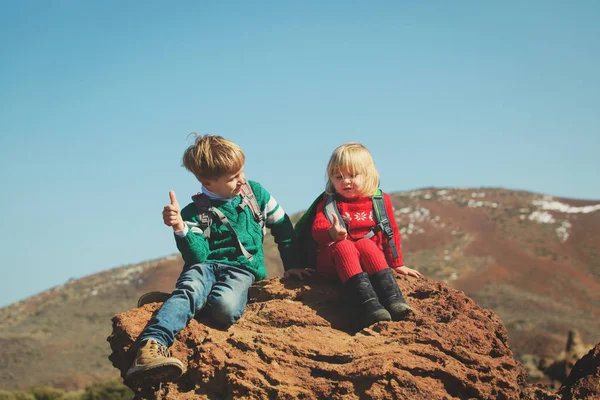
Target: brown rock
{"points": [[298, 340], [558, 370], [584, 380]]}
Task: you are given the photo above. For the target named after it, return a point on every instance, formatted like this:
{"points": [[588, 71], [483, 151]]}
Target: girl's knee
{"points": [[343, 246], [365, 244]]}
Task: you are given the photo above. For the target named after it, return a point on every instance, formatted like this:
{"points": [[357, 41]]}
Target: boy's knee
{"points": [[225, 310], [188, 287]]}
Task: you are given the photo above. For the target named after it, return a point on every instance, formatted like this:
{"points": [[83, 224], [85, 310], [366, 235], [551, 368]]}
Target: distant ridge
{"points": [[531, 258]]}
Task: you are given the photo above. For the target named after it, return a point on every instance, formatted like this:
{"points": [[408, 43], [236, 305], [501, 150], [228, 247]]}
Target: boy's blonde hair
{"points": [[353, 158], [212, 156]]}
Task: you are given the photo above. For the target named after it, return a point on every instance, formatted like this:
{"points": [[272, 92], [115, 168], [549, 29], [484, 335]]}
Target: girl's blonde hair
{"points": [[212, 156], [353, 158]]}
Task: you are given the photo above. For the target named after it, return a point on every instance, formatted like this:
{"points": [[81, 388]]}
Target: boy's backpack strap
{"points": [[248, 199], [203, 206], [225, 221], [383, 221], [205, 210]]}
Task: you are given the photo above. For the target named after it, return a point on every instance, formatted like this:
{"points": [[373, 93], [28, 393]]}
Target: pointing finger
{"points": [[173, 198], [335, 222]]}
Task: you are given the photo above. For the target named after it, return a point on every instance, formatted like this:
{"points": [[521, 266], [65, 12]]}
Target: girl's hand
{"points": [[298, 273], [337, 232], [404, 270], [172, 214]]}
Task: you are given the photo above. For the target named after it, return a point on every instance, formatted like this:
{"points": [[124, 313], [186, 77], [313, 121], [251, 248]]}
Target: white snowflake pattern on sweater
{"points": [[358, 216], [347, 217]]}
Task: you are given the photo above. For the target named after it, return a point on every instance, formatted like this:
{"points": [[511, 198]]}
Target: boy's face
{"points": [[347, 184], [228, 185]]}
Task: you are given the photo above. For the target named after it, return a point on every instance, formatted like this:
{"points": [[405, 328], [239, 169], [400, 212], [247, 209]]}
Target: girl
{"points": [[350, 241]]}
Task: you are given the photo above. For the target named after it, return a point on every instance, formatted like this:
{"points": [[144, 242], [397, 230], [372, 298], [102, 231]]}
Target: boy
{"points": [[222, 249]]}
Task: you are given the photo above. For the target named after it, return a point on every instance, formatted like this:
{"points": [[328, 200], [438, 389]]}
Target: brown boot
{"points": [[154, 363], [153, 297]]}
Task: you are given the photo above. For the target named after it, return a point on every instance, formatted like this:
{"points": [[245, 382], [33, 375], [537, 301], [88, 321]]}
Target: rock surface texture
{"points": [[299, 340], [584, 380]]}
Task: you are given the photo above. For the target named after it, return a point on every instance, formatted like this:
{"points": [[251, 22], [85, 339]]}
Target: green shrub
{"points": [[110, 390], [6, 395], [73, 395], [47, 393], [19, 395]]}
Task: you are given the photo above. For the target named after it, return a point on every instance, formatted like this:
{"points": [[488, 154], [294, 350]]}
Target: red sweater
{"points": [[358, 215]]}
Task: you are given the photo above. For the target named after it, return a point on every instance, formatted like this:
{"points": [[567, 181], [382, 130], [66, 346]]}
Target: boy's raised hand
{"points": [[337, 232], [172, 214]]}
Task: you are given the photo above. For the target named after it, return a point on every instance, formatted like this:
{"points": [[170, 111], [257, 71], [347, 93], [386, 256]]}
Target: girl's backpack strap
{"points": [[331, 208], [383, 221]]}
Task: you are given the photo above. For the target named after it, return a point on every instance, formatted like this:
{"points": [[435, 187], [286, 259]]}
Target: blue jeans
{"points": [[223, 288]]}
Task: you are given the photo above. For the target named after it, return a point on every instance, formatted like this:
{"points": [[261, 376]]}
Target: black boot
{"points": [[390, 294], [359, 288]]}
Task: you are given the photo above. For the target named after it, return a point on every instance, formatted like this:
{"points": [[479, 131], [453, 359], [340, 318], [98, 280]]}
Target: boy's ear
{"points": [[205, 183]]}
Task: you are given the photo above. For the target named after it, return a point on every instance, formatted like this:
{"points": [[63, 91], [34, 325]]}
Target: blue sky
{"points": [[97, 100]]}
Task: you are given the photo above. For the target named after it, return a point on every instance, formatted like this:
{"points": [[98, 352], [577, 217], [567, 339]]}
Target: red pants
{"points": [[347, 258]]}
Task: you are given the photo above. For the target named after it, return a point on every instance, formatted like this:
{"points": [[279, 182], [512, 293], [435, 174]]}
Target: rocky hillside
{"points": [[58, 337], [532, 259], [299, 341]]}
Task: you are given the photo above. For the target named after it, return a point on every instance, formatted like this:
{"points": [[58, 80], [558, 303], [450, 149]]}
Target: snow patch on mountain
{"points": [[548, 203]]}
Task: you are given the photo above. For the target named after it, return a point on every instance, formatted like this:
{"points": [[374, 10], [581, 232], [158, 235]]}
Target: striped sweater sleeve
{"points": [[193, 246], [279, 223]]}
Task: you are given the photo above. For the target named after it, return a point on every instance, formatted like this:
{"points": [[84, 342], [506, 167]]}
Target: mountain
{"points": [[58, 337], [532, 259]]}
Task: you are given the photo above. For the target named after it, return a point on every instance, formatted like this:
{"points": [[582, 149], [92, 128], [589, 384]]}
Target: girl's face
{"points": [[347, 184]]}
